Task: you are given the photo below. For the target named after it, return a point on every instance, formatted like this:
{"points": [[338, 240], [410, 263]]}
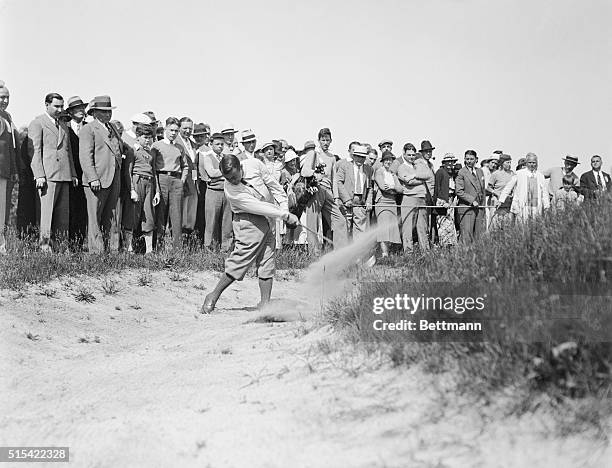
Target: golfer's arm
{"points": [[245, 203]]}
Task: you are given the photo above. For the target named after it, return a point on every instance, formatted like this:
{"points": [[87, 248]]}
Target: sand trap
{"points": [[141, 379]]}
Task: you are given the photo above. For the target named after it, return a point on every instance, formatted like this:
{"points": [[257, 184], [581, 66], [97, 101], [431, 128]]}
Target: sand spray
{"points": [[333, 275]]}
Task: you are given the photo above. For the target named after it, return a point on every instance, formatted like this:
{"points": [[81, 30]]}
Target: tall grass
{"points": [[26, 263], [561, 257]]}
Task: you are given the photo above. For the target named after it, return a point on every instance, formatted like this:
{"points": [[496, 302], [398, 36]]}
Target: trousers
{"points": [[54, 210], [170, 208], [218, 220], [101, 210]]}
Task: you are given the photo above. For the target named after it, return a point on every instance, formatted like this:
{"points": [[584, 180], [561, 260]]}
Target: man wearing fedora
{"points": [[556, 174], [53, 169], [470, 190], [9, 144], [355, 188], [78, 204], [231, 145], [249, 142], [190, 192], [595, 182], [427, 153], [100, 153]]}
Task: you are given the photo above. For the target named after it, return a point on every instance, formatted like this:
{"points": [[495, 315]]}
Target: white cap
{"points": [[141, 119], [290, 155]]}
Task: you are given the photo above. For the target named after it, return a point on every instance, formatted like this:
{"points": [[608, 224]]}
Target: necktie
{"points": [[57, 124], [599, 183]]}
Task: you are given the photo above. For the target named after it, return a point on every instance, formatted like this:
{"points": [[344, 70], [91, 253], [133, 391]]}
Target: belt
{"points": [[145, 177], [215, 189], [170, 173]]}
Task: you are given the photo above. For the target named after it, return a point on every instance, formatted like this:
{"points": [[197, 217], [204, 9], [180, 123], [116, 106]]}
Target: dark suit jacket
{"points": [[588, 183], [50, 150], [469, 188], [100, 151], [74, 147], [8, 151]]}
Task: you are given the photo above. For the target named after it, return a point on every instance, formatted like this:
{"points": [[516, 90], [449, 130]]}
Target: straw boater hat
{"points": [[571, 159], [247, 136], [449, 157], [75, 101], [100, 103], [228, 128]]}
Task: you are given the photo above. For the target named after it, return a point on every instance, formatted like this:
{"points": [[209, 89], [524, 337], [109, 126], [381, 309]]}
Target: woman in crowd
{"points": [[444, 196], [498, 180], [386, 211], [275, 167]]}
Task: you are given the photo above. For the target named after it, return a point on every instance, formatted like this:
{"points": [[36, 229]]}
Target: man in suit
{"points": [[53, 169], [78, 204], [249, 142], [9, 143], [355, 188], [470, 190], [231, 145], [596, 182], [100, 155], [528, 186], [190, 192]]}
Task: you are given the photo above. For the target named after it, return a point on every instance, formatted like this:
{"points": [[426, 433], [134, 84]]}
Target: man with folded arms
{"points": [[415, 176], [254, 208], [53, 169], [100, 153]]}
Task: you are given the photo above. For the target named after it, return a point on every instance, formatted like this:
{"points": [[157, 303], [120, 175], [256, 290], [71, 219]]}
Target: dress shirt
{"points": [[76, 127], [600, 180]]}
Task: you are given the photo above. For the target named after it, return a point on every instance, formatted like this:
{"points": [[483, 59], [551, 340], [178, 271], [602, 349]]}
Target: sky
{"points": [[515, 75]]}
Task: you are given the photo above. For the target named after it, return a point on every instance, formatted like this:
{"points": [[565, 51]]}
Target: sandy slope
{"points": [[165, 386]]}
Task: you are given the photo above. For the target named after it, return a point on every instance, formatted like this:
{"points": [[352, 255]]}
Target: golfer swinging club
{"points": [[251, 191]]}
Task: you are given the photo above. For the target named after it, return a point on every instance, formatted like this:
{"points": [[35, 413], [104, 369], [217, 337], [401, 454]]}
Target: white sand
{"points": [[168, 387]]}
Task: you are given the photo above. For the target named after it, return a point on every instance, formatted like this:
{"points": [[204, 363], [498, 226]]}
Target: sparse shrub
{"points": [[110, 287], [84, 295], [145, 278]]}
